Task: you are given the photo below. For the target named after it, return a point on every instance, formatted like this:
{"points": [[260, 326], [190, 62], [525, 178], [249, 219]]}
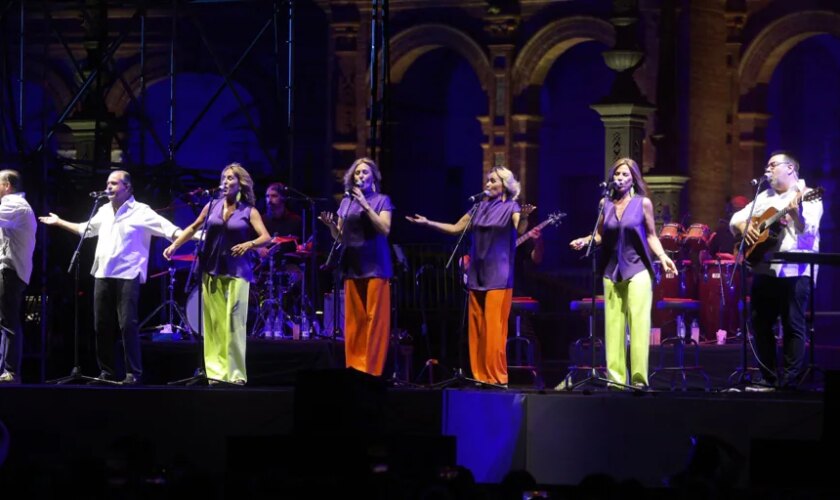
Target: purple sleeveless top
{"points": [[493, 245], [366, 251], [624, 242], [221, 236]]}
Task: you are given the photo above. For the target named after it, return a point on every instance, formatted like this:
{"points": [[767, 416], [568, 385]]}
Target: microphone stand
{"points": [[200, 373], [306, 301], [337, 244], [458, 376], [594, 374], [741, 374], [76, 371]]}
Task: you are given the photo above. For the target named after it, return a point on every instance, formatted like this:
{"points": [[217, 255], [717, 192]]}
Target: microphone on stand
{"points": [[99, 194], [478, 196], [759, 180]]}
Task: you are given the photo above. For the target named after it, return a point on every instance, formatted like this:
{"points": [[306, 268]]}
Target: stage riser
{"points": [[562, 438]]}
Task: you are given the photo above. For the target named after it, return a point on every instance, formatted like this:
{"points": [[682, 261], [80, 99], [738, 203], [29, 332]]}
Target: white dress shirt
{"points": [[789, 239], [124, 239], [17, 235]]}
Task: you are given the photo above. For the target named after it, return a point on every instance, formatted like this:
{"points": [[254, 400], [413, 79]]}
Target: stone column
{"points": [[709, 99], [500, 26], [665, 194], [624, 111], [524, 151], [736, 15]]}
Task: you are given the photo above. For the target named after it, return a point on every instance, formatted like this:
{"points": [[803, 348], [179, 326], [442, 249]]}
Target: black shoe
{"points": [[131, 379]]}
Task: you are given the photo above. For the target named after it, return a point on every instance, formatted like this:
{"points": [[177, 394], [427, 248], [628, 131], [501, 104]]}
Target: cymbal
{"points": [[185, 257]]}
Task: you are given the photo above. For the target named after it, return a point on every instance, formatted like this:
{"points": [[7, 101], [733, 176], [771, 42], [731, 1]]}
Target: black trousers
{"points": [[786, 298], [115, 320], [11, 338]]}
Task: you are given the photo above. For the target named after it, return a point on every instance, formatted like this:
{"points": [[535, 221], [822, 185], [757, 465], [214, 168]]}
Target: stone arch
{"points": [[763, 53], [550, 42], [118, 99], [407, 46]]}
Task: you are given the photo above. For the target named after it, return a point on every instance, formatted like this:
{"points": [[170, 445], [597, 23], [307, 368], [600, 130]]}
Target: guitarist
{"points": [[781, 289]]}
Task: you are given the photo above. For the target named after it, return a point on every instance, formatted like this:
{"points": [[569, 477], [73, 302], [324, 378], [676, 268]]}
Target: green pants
{"points": [[627, 305], [225, 317]]}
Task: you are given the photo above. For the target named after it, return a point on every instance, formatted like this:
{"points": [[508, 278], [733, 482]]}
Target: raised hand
{"points": [[527, 209], [417, 219], [579, 243], [329, 219], [50, 220]]}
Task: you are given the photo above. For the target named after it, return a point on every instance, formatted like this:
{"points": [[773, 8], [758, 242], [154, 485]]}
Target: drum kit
{"points": [[277, 307], [714, 281]]}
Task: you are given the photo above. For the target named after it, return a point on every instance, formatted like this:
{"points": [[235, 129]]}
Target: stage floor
{"points": [[325, 425]]}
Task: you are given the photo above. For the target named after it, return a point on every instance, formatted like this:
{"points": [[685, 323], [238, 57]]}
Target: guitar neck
{"points": [[527, 236]]}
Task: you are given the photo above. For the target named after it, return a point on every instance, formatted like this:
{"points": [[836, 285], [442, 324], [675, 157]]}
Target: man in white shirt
{"points": [[125, 228], [780, 289], [17, 243]]}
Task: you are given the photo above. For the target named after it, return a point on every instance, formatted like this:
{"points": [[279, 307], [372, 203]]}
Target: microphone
{"points": [[476, 197], [758, 180], [99, 194], [348, 192]]}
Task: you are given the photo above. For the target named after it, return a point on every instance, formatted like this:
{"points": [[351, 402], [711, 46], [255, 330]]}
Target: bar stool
{"points": [[683, 307], [520, 349]]}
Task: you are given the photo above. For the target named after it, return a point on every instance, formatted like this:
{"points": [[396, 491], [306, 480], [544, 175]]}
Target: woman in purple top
{"points": [[234, 227], [627, 234], [497, 221], [362, 225]]}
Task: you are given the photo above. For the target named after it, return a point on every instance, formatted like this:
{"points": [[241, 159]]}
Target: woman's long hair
{"points": [[639, 184], [246, 184]]}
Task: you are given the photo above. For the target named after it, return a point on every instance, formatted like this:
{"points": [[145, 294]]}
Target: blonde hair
{"points": [[510, 183], [246, 184], [377, 175]]}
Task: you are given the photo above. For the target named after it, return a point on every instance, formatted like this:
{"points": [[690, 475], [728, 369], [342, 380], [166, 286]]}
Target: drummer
{"points": [[283, 224], [722, 243]]}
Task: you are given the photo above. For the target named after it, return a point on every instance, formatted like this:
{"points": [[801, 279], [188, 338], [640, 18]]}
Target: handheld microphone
{"points": [[99, 194], [476, 197]]}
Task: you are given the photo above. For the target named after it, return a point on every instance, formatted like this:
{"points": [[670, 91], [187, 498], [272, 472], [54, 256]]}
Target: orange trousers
{"points": [[488, 329], [367, 323]]}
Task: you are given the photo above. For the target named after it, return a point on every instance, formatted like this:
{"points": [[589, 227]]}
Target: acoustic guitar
{"points": [[770, 227]]}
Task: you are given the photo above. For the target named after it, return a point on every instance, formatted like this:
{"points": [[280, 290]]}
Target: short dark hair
{"points": [[790, 157], [12, 177]]}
